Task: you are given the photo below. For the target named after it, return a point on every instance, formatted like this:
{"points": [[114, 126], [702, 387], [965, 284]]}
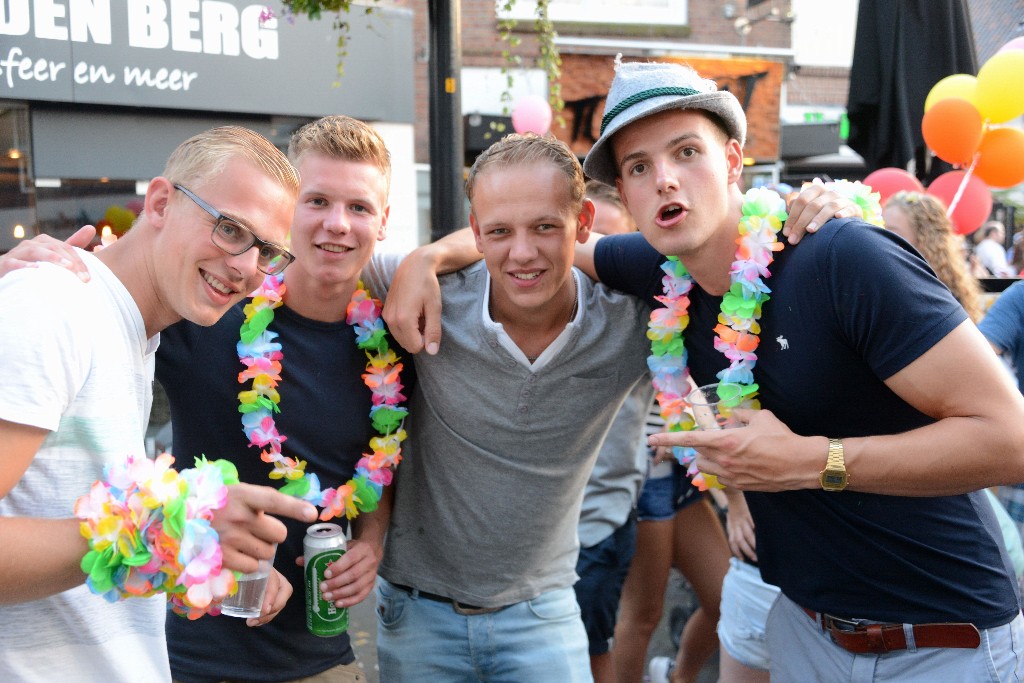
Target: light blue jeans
{"points": [[800, 651], [540, 640]]}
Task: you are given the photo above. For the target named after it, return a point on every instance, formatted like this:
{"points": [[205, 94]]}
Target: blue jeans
{"points": [[540, 640]]}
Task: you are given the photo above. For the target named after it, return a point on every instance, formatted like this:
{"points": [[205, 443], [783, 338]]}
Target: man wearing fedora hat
{"points": [[884, 410]]}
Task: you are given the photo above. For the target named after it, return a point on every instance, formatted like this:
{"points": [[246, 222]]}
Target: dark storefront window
{"points": [[62, 168], [17, 198], [31, 205]]}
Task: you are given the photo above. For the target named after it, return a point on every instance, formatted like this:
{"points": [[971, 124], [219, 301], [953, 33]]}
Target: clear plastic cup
{"points": [[712, 411], [252, 588]]}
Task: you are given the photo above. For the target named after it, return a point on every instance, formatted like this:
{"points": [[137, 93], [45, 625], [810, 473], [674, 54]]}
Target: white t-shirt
{"points": [[992, 255], [76, 362]]}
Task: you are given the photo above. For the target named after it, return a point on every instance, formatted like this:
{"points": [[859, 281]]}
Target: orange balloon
{"points": [[1001, 157], [952, 128]]}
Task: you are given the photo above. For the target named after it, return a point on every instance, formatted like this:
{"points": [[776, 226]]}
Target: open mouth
{"points": [[526, 276], [670, 212]]}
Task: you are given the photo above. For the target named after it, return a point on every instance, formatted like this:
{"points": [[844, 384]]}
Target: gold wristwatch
{"points": [[834, 477]]}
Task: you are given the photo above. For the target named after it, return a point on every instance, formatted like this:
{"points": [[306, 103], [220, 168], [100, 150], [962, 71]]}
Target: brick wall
{"points": [[482, 47], [757, 83], [826, 86]]}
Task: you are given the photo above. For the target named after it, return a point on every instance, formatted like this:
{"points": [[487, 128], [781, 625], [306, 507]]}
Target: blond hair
{"points": [[934, 238], [345, 138], [204, 155], [521, 149]]}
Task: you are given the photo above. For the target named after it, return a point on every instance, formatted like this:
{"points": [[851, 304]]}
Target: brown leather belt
{"points": [[459, 607], [878, 639]]}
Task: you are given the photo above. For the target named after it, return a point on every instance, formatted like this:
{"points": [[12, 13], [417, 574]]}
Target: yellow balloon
{"points": [[957, 85], [120, 219], [999, 95]]}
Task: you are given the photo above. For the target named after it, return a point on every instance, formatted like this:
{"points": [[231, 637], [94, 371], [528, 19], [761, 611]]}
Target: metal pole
{"points": [[446, 143]]}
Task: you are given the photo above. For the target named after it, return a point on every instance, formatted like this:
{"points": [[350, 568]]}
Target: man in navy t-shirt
{"points": [[884, 409]]}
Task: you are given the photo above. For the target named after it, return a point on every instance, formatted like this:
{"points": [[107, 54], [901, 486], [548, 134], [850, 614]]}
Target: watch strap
{"points": [[834, 476], [836, 458]]}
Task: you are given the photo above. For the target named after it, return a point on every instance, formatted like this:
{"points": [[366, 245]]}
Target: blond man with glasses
{"points": [[80, 357]]}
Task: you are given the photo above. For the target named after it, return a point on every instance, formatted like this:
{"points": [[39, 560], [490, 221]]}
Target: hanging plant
{"points": [[548, 57], [314, 9]]}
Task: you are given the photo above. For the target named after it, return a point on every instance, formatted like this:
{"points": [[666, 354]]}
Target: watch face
{"points": [[833, 479]]}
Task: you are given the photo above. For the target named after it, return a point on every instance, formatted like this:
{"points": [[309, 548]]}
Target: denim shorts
{"points": [[662, 497], [419, 639], [746, 600], [602, 569]]}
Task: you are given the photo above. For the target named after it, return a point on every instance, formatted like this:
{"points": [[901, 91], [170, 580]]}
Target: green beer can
{"points": [[324, 543]]}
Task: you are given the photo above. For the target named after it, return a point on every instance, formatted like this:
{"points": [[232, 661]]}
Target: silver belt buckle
{"points": [[848, 625]]}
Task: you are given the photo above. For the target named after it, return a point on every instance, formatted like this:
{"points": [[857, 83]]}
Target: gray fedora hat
{"points": [[640, 89]]}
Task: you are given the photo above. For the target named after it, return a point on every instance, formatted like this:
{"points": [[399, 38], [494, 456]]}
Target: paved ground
{"points": [[363, 630]]}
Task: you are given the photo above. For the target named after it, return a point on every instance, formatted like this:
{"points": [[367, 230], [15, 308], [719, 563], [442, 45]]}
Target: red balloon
{"points": [[952, 128], [888, 181], [975, 203], [1001, 157]]}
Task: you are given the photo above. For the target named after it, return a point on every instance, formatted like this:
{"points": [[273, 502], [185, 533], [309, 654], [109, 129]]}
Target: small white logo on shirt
{"points": [[783, 342]]}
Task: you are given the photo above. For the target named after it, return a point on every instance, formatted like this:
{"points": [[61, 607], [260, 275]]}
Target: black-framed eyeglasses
{"points": [[233, 238]]}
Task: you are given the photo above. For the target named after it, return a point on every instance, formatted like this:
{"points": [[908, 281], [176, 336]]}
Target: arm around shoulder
{"points": [[584, 256], [413, 306]]}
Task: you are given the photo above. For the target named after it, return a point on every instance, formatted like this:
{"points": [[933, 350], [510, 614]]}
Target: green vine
{"points": [[548, 57], [314, 9]]}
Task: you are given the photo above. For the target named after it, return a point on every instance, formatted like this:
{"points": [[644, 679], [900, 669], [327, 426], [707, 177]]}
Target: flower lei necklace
{"points": [[149, 527], [262, 358], [763, 213]]}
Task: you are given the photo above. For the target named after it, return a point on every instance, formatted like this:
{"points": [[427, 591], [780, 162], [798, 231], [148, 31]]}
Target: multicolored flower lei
{"points": [[149, 532], [262, 358], [763, 213]]}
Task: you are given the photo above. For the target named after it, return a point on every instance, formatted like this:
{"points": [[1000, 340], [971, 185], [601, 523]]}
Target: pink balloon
{"points": [[532, 114], [1015, 44]]}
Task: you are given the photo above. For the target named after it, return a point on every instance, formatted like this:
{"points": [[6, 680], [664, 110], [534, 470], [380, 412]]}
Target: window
{"points": [[662, 12], [17, 193]]}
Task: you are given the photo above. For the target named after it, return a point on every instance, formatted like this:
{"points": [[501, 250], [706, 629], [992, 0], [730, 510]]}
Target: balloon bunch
{"points": [[961, 114]]}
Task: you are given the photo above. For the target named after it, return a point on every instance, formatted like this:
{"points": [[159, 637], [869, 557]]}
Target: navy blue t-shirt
{"points": [[324, 415], [850, 307]]}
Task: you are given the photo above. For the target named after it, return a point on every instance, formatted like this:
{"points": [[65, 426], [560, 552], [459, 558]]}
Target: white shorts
{"points": [[802, 651], [746, 600]]}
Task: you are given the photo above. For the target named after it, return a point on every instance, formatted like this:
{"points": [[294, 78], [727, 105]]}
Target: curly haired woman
{"points": [[921, 220]]}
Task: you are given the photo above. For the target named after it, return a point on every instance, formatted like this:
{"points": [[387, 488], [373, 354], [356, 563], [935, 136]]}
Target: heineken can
{"points": [[324, 543]]}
